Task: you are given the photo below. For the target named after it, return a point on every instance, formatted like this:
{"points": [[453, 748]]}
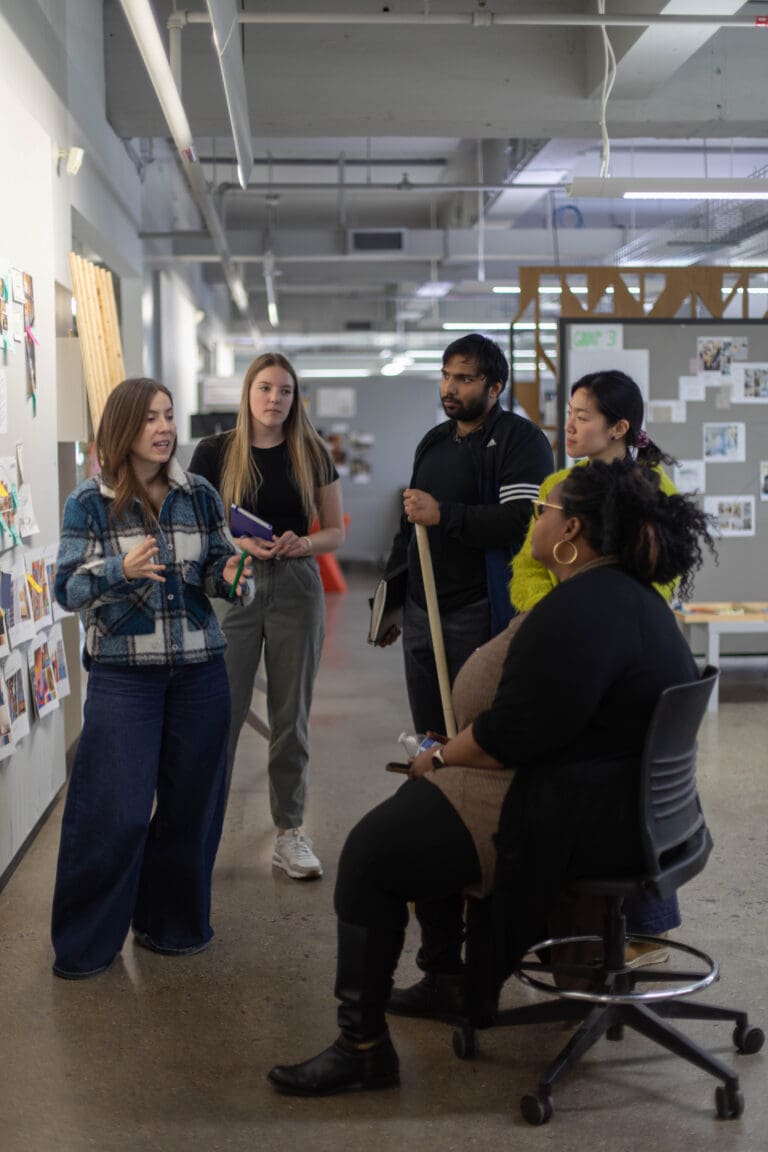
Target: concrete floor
{"points": [[171, 1054]]}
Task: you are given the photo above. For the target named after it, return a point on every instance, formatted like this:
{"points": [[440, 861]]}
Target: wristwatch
{"points": [[437, 758]]}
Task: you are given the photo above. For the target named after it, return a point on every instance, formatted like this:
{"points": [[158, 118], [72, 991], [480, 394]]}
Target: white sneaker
{"points": [[293, 853]]}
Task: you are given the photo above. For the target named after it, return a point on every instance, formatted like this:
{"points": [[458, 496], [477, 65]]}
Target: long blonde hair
{"points": [[310, 461], [123, 418]]}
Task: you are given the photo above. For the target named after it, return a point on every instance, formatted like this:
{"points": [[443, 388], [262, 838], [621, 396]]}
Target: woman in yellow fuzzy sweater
{"points": [[605, 422]]}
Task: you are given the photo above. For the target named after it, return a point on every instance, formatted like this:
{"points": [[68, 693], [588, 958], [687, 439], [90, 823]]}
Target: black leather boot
{"points": [[437, 996], [363, 1057], [344, 1067]]}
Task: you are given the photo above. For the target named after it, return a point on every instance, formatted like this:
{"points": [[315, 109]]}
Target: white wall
{"points": [[52, 95], [178, 348]]}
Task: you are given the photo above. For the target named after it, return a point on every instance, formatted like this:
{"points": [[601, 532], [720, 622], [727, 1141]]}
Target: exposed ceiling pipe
{"points": [[226, 40], [484, 19], [404, 185], [146, 33]]}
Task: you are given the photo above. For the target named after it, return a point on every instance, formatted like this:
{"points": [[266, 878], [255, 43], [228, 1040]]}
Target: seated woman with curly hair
{"points": [[555, 757]]}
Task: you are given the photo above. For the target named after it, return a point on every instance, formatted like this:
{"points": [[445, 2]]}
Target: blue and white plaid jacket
{"points": [[142, 622]]}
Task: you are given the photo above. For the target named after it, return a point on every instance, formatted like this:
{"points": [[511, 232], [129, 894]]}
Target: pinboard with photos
{"points": [[705, 384]]}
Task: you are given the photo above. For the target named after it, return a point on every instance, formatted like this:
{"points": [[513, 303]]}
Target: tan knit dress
{"points": [[477, 794]]}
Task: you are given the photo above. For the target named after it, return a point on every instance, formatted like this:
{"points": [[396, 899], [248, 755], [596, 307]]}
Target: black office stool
{"points": [[603, 996]]}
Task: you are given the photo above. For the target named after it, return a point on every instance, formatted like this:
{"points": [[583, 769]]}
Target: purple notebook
{"points": [[245, 523]]}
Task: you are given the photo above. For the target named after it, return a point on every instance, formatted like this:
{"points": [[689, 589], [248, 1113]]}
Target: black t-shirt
{"points": [[278, 501], [450, 471]]}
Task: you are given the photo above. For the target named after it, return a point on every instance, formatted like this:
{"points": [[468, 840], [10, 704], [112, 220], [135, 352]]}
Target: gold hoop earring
{"points": [[558, 559]]}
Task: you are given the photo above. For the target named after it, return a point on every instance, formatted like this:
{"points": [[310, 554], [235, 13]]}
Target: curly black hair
{"points": [[656, 538]]}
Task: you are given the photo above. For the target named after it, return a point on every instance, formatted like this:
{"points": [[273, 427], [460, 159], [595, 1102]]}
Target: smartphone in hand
{"points": [[396, 766]]}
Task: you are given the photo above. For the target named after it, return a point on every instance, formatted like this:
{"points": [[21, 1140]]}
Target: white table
{"points": [[722, 618]]}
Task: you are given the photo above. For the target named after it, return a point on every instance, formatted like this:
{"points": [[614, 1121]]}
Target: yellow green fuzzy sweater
{"points": [[531, 580]]}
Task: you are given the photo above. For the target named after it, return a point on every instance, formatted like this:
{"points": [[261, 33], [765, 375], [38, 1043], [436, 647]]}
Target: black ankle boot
{"points": [[344, 1067], [437, 996]]}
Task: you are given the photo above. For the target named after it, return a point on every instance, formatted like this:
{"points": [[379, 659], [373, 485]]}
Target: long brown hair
{"points": [[240, 477], [122, 420]]}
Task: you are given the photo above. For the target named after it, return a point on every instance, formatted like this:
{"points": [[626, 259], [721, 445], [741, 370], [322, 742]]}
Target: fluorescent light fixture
{"points": [[475, 326], [507, 290], [269, 284], [434, 289], [226, 38], [397, 365], [141, 19], [334, 373], [670, 188], [239, 294], [432, 353], [530, 326]]}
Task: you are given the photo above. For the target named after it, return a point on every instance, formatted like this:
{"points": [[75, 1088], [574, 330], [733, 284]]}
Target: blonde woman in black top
{"points": [[275, 465]]}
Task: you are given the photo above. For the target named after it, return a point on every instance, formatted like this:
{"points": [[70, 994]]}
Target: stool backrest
{"points": [[675, 839]]}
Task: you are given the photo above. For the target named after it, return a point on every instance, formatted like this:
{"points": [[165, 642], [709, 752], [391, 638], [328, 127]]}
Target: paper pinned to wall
{"points": [[750, 383], [21, 625], [692, 388], [58, 656], [735, 515], [689, 476], [16, 679], [43, 676], [666, 412], [51, 554], [725, 443], [27, 520], [39, 592], [6, 731]]}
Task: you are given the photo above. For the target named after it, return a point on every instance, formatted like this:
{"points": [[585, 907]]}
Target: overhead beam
{"points": [[648, 57], [482, 18]]}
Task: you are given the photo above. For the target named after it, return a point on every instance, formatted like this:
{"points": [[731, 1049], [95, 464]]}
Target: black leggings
{"points": [[414, 846]]}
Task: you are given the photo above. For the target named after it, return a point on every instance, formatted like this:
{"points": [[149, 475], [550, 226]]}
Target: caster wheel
{"points": [[465, 1043], [748, 1040], [537, 1109], [729, 1103]]}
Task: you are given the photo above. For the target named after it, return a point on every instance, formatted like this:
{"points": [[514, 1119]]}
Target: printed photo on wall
{"points": [[29, 329], [43, 676], [6, 733], [9, 504], [735, 515], [725, 443], [750, 384], [21, 626], [58, 656], [5, 640], [16, 678], [763, 480], [713, 354], [50, 554], [39, 592], [689, 476], [336, 442], [5, 305]]}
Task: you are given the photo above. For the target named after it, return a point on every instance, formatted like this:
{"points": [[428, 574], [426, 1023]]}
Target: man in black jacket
{"points": [[474, 479]]}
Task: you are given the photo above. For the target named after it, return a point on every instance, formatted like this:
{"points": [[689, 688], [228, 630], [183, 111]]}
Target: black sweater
{"points": [[580, 682]]}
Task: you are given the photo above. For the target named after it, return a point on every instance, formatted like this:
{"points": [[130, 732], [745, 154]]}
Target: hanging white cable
{"points": [[480, 216], [609, 79]]}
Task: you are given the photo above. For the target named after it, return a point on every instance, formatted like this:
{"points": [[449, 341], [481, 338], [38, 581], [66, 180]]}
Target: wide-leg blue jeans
{"points": [[148, 734]]}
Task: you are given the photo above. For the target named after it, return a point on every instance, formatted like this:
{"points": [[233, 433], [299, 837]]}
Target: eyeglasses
{"points": [[459, 379], [540, 505]]}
